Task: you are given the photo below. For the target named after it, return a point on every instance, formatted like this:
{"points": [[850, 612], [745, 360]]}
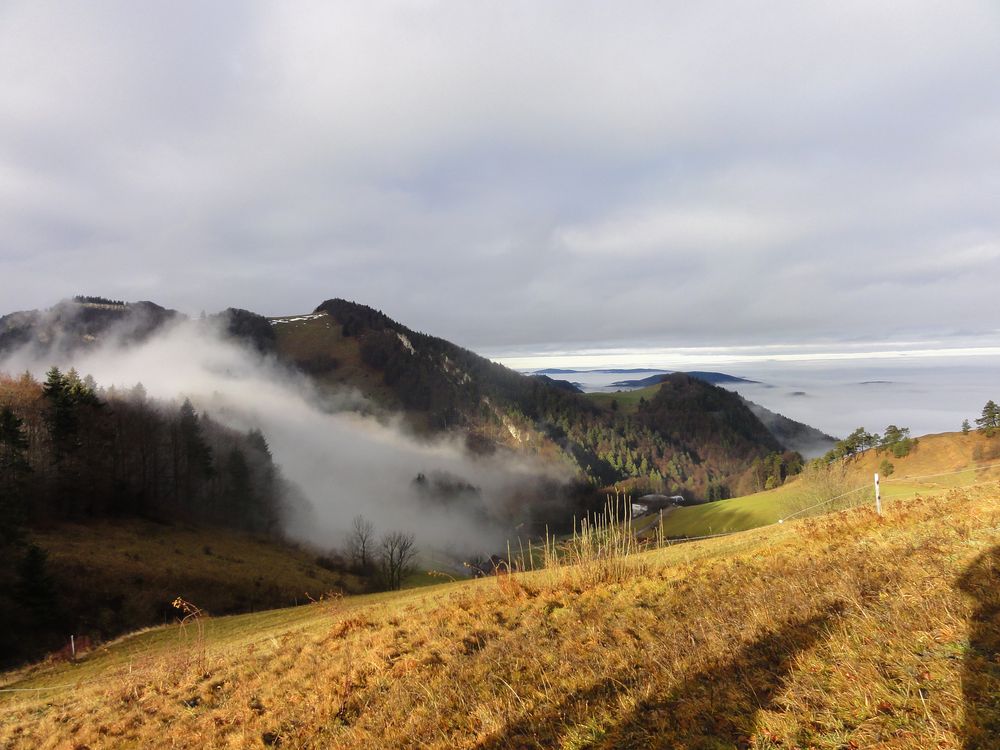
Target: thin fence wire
{"points": [[39, 689], [834, 499], [943, 473], [818, 505]]}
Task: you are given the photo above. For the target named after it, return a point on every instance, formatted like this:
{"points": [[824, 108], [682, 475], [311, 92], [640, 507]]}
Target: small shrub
{"points": [[332, 562], [903, 447], [600, 551]]}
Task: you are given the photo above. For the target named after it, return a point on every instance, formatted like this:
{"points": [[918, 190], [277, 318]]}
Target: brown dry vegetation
{"points": [[936, 464], [843, 631], [319, 346], [138, 567]]}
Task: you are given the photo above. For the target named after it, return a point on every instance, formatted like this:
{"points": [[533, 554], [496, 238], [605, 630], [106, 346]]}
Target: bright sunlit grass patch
{"points": [[937, 464]]}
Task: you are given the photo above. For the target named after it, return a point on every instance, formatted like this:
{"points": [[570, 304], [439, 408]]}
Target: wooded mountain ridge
{"points": [[72, 450], [689, 438]]}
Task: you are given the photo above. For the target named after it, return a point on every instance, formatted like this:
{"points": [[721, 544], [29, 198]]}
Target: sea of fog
{"points": [[927, 395]]}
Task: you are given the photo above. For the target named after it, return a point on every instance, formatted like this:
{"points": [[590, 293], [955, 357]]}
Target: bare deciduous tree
{"points": [[361, 540], [396, 558]]}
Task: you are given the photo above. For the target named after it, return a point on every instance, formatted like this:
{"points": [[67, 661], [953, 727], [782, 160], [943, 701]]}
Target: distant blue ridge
{"points": [[715, 378], [559, 371]]}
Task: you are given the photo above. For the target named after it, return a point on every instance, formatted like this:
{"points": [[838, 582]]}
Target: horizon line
{"points": [[668, 359]]}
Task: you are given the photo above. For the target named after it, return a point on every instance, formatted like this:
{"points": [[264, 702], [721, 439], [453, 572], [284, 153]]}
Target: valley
{"points": [[499, 376], [200, 559]]}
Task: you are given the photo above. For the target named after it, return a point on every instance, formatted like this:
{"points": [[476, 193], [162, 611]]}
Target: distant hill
{"points": [[248, 327], [84, 322], [76, 324], [792, 435], [443, 387], [715, 378], [725, 431], [796, 436], [563, 384], [613, 371]]}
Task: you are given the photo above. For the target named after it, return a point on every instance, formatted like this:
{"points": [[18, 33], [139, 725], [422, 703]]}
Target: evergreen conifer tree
{"points": [[989, 422], [14, 468]]}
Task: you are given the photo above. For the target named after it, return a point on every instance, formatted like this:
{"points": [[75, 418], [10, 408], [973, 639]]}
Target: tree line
{"points": [[73, 451], [70, 450], [898, 442], [988, 422], [89, 299], [895, 441]]}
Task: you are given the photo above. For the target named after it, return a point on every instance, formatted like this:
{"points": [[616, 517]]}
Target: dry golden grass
{"points": [[118, 575], [938, 463], [844, 631], [322, 339]]}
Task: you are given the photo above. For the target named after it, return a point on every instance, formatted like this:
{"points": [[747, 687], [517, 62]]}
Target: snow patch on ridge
{"points": [[276, 321], [406, 342]]}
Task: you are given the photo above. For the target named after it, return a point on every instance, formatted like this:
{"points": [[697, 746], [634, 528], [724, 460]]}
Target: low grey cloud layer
{"points": [[343, 463], [513, 174]]}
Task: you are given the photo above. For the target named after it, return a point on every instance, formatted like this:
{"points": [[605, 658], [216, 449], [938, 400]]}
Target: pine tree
{"points": [[195, 453], [199, 453], [35, 590], [239, 491], [258, 442], [55, 383], [989, 422], [61, 417], [14, 468]]}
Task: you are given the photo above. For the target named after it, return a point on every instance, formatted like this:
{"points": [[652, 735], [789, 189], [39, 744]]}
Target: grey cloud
{"points": [[511, 173]]}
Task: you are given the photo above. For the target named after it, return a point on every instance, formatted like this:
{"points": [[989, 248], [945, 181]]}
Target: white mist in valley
{"points": [[928, 394], [345, 463]]}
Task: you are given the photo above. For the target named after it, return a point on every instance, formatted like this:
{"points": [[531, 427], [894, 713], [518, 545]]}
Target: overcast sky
{"points": [[514, 175]]}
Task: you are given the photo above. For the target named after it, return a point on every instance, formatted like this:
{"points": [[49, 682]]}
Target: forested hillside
{"points": [[666, 445], [695, 438], [72, 452]]}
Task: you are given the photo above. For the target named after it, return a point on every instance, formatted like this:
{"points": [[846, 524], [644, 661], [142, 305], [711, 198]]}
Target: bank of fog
{"points": [[345, 464]]}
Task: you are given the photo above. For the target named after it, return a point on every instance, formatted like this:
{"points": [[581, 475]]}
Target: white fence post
{"points": [[72, 646], [878, 496]]}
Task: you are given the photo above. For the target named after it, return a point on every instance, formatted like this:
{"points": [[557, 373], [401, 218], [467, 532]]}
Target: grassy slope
{"points": [[936, 455], [319, 337], [840, 631], [628, 401], [127, 573]]}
